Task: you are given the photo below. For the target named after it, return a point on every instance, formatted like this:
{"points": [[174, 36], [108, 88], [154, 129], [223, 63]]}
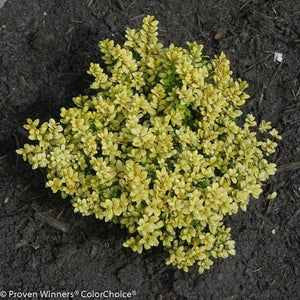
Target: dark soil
{"points": [[45, 49]]}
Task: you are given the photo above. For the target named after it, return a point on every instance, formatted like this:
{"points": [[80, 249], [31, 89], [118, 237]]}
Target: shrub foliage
{"points": [[156, 148]]}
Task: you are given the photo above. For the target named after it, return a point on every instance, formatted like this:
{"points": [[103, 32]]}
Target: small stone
{"points": [[218, 35]]}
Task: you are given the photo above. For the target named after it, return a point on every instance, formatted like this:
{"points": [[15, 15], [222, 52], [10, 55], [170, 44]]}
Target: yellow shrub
{"points": [[156, 148]]}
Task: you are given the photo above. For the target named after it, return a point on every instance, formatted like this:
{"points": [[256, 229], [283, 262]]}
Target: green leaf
{"points": [[204, 183]]}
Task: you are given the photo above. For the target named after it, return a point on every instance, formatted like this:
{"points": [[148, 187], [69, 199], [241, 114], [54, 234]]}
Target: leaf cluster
{"points": [[157, 149]]}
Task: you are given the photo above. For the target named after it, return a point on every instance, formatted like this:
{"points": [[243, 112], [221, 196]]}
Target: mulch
{"points": [[45, 50]]}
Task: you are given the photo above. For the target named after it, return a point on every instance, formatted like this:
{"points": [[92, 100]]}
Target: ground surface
{"points": [[45, 50]]}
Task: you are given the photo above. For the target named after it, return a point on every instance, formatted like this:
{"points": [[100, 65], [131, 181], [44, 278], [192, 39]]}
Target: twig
{"points": [[256, 270], [2, 2], [5, 155], [261, 96], [270, 205], [26, 188], [258, 62], [131, 3], [298, 92], [289, 167], [51, 221], [42, 216], [70, 30], [274, 75], [136, 17], [297, 72], [296, 175], [60, 214], [244, 4], [292, 121], [289, 221]]}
